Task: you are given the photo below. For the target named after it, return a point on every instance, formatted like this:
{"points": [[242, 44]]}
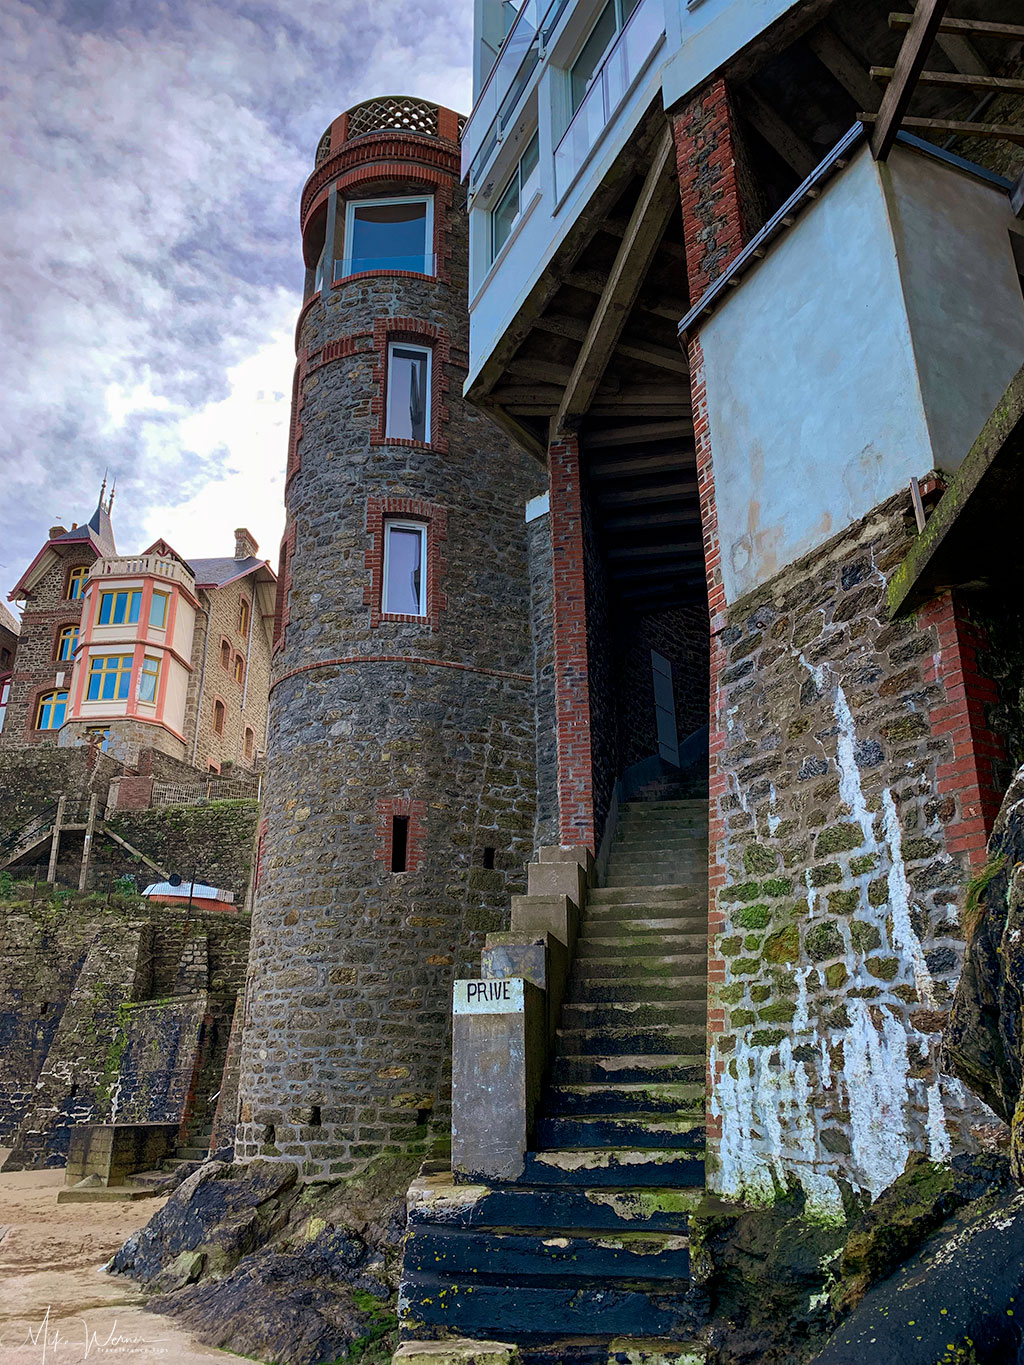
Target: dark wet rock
{"points": [[983, 1040], [958, 1301]]}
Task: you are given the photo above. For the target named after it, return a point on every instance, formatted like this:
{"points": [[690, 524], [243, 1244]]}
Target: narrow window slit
{"points": [[488, 858], [399, 842]]}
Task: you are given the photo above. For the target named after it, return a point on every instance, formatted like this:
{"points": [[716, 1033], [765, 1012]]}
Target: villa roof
{"points": [[216, 573], [97, 533], [8, 620]]}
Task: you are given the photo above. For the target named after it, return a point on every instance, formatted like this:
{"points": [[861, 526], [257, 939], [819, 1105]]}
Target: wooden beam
{"points": [[978, 28], [988, 85], [657, 202], [963, 54], [1009, 132], [677, 490], [528, 393], [637, 407], [648, 551], [909, 64], [573, 329], [845, 66], [682, 564], [790, 146], [680, 517], [593, 282], [636, 464], [521, 435], [635, 435]]}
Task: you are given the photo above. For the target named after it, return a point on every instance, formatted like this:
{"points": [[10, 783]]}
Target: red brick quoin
{"points": [[572, 678], [972, 776], [282, 605], [416, 813], [435, 518]]}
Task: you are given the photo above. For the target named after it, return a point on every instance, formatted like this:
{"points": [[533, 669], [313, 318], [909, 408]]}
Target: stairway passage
{"points": [[589, 1250]]}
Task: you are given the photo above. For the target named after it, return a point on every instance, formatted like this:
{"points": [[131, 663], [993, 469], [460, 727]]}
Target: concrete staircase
{"points": [[586, 1256]]}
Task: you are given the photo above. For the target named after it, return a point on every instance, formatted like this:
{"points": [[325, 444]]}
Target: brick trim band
{"points": [[402, 659]]}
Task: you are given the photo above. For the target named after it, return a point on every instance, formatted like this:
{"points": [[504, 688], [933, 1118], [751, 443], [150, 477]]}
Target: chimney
{"points": [[245, 544], [56, 531]]}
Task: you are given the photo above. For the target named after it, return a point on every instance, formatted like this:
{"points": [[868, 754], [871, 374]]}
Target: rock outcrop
{"points": [[984, 1038]]}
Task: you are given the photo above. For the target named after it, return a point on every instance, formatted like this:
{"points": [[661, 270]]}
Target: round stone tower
{"points": [[400, 784]]}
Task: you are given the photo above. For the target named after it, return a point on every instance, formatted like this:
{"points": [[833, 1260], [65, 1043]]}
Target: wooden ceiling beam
{"points": [[638, 464], [679, 517], [648, 551], [1009, 132], [921, 34], [987, 85], [523, 436], [967, 28], [647, 223], [635, 435], [844, 65], [573, 329], [593, 282], [799, 155], [676, 491], [963, 54], [684, 564]]}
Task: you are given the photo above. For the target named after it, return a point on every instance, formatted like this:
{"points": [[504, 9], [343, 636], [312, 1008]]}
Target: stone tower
{"points": [[400, 785]]}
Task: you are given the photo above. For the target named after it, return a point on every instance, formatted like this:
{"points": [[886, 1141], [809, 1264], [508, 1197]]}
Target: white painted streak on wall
{"points": [[875, 1071], [903, 936]]}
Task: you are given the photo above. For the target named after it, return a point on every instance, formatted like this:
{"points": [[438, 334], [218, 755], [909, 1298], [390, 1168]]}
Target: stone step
{"points": [[501, 1309], [625, 946], [643, 1070], [104, 1194], [644, 968], [658, 836], [611, 1041], [683, 1099], [662, 893], [634, 1014], [606, 926], [621, 1130], [437, 1198], [434, 1250], [192, 1153], [618, 1167], [600, 1351], [149, 1180], [634, 877], [593, 988]]}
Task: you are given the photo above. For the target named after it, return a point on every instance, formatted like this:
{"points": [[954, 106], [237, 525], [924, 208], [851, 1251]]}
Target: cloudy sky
{"points": [[153, 154]]}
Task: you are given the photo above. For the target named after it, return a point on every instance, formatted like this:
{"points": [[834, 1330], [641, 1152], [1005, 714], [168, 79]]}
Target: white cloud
{"points": [[150, 257]]}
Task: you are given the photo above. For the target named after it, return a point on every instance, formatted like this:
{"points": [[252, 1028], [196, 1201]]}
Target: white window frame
{"points": [[350, 213], [423, 350], [517, 175], [421, 528]]}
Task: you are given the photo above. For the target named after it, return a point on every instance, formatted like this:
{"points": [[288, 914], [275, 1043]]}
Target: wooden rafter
{"points": [[987, 85], [523, 435], [629, 466], [844, 65], [780, 136], [646, 431], [646, 227], [968, 28], [573, 329], [1009, 132], [921, 33]]}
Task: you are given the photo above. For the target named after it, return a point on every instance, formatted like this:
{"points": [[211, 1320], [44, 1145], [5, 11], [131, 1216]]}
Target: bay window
{"points": [[389, 234]]}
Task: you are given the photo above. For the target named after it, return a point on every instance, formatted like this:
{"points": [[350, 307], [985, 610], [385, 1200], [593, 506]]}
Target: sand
{"points": [[57, 1305]]}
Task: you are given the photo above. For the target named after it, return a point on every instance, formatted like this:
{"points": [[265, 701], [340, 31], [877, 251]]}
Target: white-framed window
{"points": [[609, 24], [405, 569], [515, 196], [408, 398], [389, 234]]}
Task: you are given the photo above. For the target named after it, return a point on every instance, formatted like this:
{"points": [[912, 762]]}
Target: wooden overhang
{"points": [[973, 537]]}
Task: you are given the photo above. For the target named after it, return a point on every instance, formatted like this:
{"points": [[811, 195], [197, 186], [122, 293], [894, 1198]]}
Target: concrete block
{"points": [[542, 960], [555, 915], [558, 879], [499, 1051], [577, 853]]}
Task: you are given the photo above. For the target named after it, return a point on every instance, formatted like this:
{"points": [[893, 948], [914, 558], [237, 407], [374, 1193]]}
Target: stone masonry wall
{"points": [[214, 841], [836, 942], [679, 634], [345, 1050]]}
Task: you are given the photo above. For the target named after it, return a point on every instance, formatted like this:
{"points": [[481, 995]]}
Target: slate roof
{"points": [[214, 573], [97, 530]]}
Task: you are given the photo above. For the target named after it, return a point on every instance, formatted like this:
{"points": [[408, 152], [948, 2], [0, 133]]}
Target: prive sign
{"points": [[488, 997]]}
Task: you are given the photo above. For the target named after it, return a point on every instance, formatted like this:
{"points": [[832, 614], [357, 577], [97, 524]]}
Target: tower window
{"points": [[388, 234], [225, 654], [399, 842], [118, 607], [408, 401], [67, 641], [76, 582], [248, 742], [238, 669], [52, 710], [110, 677], [243, 616], [405, 569]]}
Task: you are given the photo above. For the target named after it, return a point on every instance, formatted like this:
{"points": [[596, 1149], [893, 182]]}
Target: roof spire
{"points": [[113, 490]]}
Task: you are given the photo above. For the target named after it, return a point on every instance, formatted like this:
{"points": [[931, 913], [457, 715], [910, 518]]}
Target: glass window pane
{"points": [[504, 214], [593, 51], [158, 610], [403, 558], [389, 236], [528, 162], [407, 394], [135, 602], [124, 678], [106, 605]]}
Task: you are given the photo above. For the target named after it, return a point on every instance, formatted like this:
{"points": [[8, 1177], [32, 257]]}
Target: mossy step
{"points": [[437, 1198], [644, 967], [660, 893], [634, 1014], [590, 989], [652, 1038], [627, 928], [621, 1130], [635, 1168], [633, 877], [433, 1251], [639, 1068], [685, 1099], [617, 917], [590, 944], [566, 1350]]}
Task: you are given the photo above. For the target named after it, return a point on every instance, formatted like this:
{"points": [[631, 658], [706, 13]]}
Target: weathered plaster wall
{"points": [[962, 294], [836, 937]]}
